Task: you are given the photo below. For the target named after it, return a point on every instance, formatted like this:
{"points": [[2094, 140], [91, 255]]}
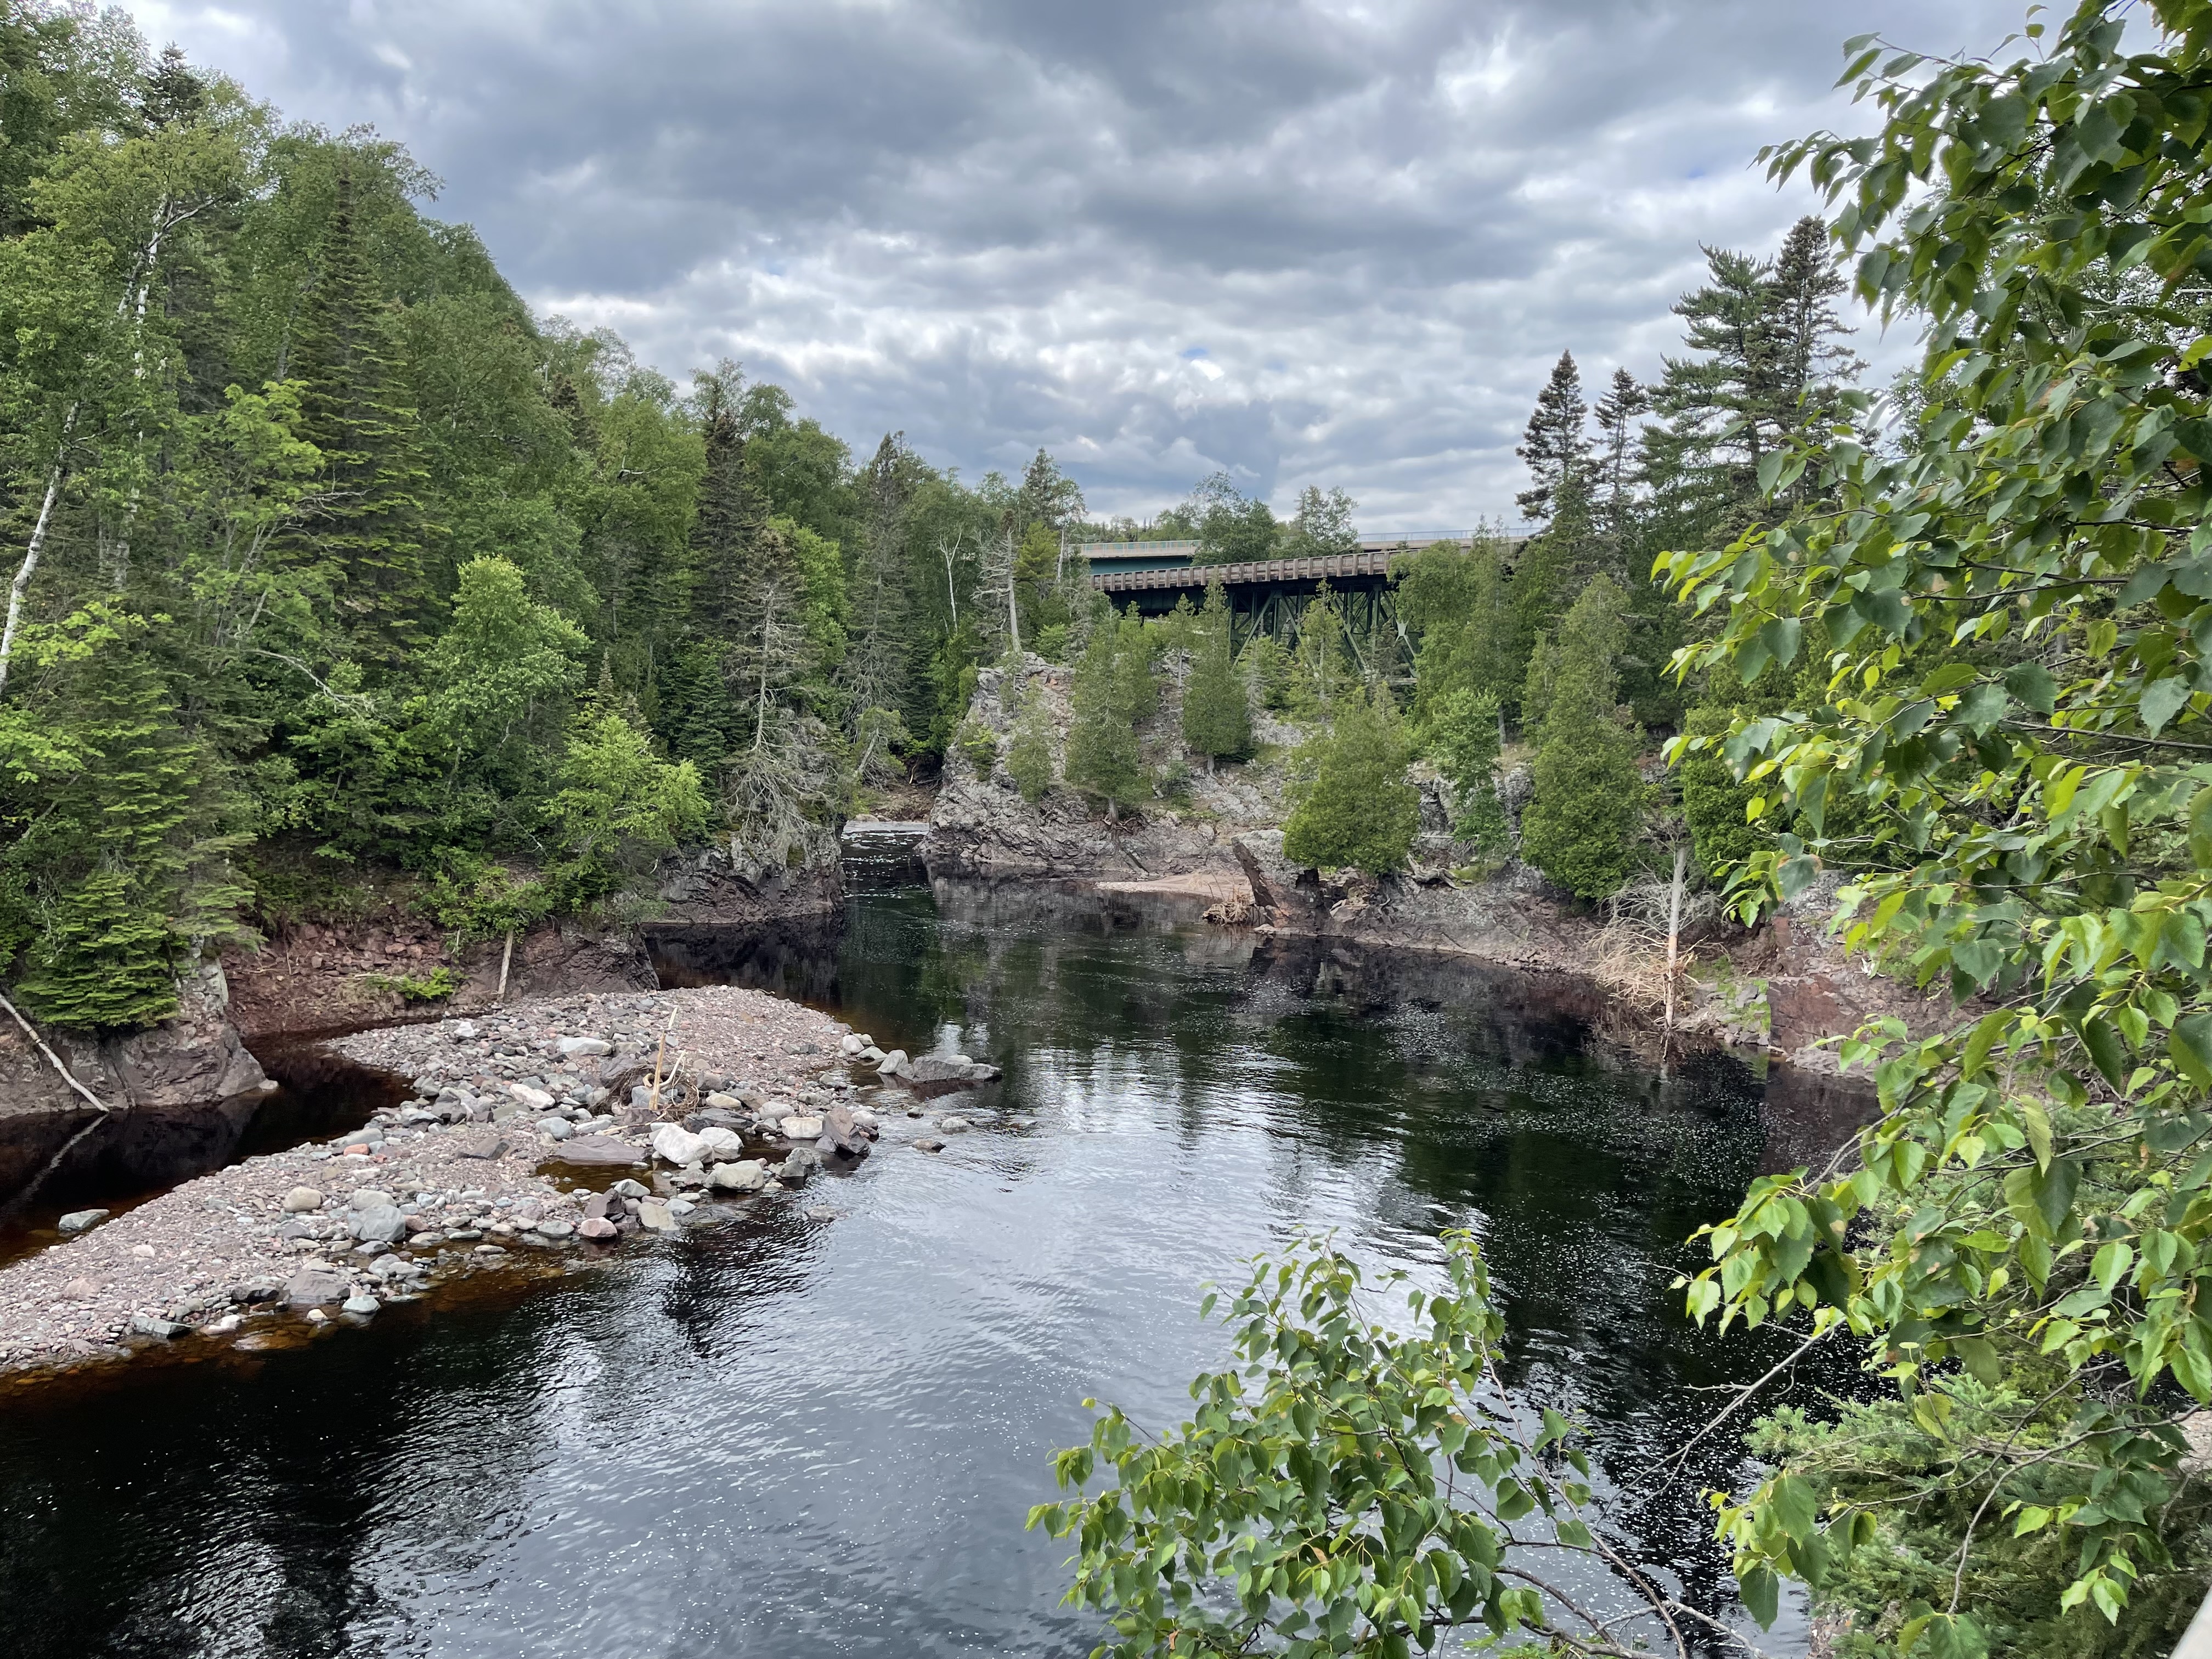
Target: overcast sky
{"points": [[1312, 243]]}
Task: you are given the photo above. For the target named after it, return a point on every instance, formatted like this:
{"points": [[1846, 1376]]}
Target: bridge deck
{"points": [[1366, 563]]}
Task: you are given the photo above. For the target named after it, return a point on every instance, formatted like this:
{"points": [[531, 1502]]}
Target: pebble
{"points": [[409, 1196], [361, 1305], [81, 1221]]}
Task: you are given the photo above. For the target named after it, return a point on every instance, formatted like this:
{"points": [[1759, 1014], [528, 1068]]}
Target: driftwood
{"points": [[53, 1058]]}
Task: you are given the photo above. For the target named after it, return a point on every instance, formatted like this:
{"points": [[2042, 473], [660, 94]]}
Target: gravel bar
{"points": [[567, 1125]]}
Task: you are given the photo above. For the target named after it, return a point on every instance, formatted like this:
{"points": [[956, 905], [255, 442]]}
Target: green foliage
{"points": [[1029, 756], [1356, 811], [2031, 825], [1343, 1488], [1463, 742], [1320, 669], [1321, 526], [1267, 667], [619, 807], [1217, 707], [1715, 802], [1929, 1473], [1112, 691], [1232, 528], [1457, 601], [436, 986], [117, 855], [979, 746], [1581, 822]]}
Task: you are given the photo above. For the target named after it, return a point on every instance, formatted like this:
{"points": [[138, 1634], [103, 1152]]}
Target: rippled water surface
{"points": [[781, 1437]]}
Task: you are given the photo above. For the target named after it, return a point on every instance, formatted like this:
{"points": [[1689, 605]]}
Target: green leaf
{"points": [[2160, 700], [2031, 683], [1761, 1591]]}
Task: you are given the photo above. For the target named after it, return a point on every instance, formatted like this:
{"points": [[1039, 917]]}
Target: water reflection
{"points": [[779, 1437]]}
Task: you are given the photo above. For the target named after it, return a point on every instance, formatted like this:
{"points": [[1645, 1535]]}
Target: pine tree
{"points": [[1624, 402], [1580, 825], [1319, 672], [1356, 811], [1217, 705], [366, 517], [1102, 756], [1554, 444]]}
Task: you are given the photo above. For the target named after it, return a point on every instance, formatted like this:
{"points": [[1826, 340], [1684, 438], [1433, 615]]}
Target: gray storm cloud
{"points": [[1307, 243]]}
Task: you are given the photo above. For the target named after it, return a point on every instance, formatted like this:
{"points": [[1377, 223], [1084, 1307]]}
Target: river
{"points": [[781, 1437]]}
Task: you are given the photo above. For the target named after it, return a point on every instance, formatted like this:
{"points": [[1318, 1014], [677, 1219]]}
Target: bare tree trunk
{"points": [[504, 957], [1013, 615], [1675, 929], [53, 1058], [22, 584]]}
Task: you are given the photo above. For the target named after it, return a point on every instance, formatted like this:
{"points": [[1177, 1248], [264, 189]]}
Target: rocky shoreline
{"points": [[554, 1129]]}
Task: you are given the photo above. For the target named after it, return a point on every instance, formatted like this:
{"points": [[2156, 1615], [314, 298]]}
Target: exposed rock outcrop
{"points": [[184, 1081]]}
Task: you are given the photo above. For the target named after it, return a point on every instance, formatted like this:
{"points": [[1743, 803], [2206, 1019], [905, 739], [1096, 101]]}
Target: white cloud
{"points": [[998, 225]]}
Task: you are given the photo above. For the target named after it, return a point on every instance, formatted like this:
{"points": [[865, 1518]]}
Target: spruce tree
{"points": [[1554, 444], [1558, 563], [1102, 756], [1217, 705], [1580, 826], [1624, 402], [1356, 811], [877, 666], [1459, 602], [366, 518]]}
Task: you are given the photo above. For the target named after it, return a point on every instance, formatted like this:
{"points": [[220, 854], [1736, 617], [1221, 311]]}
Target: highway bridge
{"points": [[1265, 596]]}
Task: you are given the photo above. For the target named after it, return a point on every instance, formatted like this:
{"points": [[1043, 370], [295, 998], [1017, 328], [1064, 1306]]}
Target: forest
{"points": [[329, 559]]}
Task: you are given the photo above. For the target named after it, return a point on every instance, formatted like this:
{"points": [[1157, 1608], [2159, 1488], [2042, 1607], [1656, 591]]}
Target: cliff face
{"points": [[186, 1079]]}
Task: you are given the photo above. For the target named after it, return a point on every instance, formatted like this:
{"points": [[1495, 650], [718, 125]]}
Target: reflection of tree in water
{"points": [[1450, 1091]]}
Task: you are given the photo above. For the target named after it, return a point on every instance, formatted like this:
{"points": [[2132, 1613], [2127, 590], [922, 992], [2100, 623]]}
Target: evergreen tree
{"points": [[1319, 672], [1558, 562], [1580, 826], [1102, 756], [1554, 444], [366, 518], [1217, 705], [1356, 810], [122, 853], [878, 664], [1029, 756], [1463, 743], [1458, 600], [1625, 402]]}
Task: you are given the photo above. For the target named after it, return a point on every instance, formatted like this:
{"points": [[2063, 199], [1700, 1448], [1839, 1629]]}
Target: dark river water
{"points": [[774, 1437]]}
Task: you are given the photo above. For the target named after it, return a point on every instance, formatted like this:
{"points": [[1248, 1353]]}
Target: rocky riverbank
{"points": [[554, 1128]]}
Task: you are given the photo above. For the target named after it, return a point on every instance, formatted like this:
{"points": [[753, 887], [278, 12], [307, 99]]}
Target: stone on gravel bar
{"points": [[302, 1200], [378, 1226], [801, 1128], [628, 1188], [489, 1143], [363, 1306], [81, 1221], [748, 1175], [370, 1198], [551, 1229], [571, 1046], [536, 1099], [724, 1145], [167, 1329], [596, 1227], [316, 1282], [674, 1144], [597, 1149], [653, 1216]]}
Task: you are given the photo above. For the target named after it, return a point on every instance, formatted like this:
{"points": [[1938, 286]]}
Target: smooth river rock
{"points": [[302, 1200], [597, 1149], [315, 1283], [81, 1221], [747, 1177], [674, 1144]]}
